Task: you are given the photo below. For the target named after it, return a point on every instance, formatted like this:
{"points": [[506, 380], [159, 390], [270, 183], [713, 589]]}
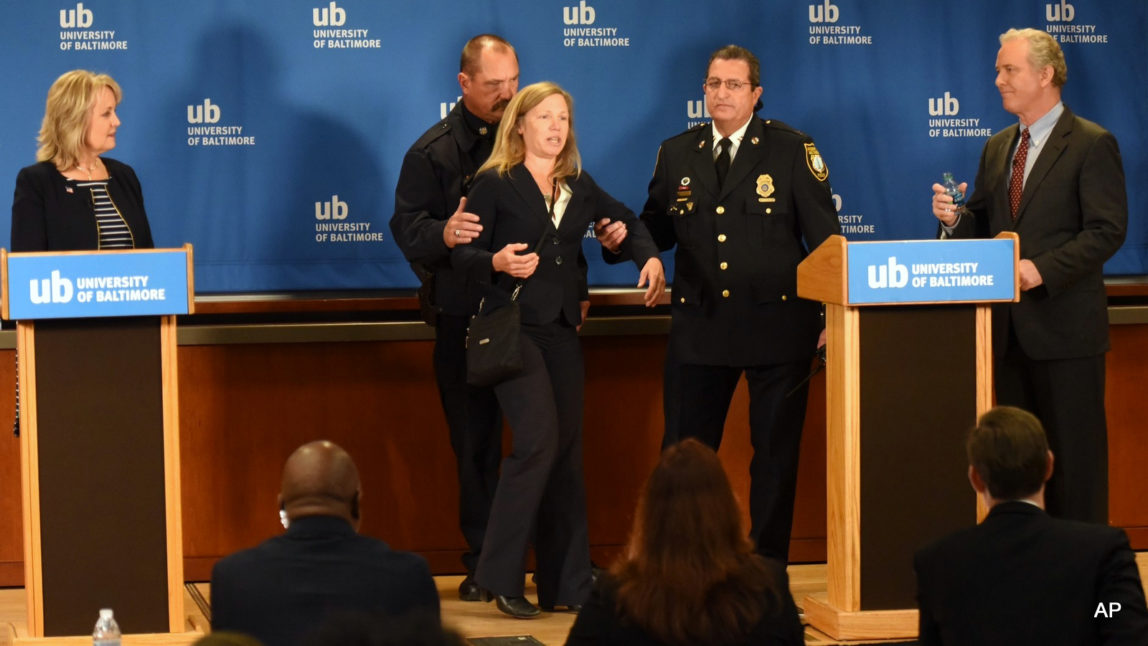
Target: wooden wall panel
{"points": [[11, 520], [245, 407], [1127, 408]]}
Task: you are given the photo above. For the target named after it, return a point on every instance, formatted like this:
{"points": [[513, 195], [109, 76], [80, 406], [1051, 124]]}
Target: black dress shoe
{"points": [[469, 590], [517, 607]]}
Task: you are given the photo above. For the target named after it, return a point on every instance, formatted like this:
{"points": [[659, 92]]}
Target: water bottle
{"points": [[951, 189], [107, 632]]}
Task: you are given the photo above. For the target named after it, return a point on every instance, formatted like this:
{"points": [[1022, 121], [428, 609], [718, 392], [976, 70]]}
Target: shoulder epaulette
{"points": [[785, 127], [436, 131]]}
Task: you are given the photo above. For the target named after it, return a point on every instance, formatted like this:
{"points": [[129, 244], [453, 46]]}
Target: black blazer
{"points": [[282, 589], [513, 210], [46, 217], [1073, 216], [1023, 577], [738, 245], [599, 622]]}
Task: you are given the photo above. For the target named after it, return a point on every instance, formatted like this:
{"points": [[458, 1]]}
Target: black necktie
{"points": [[721, 164]]}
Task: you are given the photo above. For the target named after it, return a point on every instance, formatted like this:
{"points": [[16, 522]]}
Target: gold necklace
{"points": [[87, 170]]}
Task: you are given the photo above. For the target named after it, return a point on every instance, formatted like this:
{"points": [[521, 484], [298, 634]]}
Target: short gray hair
{"points": [[1042, 50]]}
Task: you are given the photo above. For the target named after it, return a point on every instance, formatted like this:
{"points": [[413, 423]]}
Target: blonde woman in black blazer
{"points": [[535, 205], [74, 199]]}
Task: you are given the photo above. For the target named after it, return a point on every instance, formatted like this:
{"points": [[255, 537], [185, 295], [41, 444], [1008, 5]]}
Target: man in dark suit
{"points": [[1058, 182], [744, 200], [283, 588], [430, 219], [1021, 576]]}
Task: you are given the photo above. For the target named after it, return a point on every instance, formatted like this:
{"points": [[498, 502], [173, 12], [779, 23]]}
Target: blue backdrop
{"points": [[269, 133]]}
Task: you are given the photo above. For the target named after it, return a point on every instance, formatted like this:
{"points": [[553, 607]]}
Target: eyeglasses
{"points": [[733, 85]]}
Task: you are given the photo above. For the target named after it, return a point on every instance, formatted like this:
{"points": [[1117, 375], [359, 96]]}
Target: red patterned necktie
{"points": [[1016, 182]]}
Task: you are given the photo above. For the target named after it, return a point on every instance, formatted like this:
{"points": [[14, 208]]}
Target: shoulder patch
{"points": [[815, 163]]}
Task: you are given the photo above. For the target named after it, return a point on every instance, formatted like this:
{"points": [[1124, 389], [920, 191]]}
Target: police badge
{"points": [[765, 188]]}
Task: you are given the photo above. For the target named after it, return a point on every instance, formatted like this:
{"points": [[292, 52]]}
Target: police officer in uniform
{"points": [[430, 219], [744, 200]]}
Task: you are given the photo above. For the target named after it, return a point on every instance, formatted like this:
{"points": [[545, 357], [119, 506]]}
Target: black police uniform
{"points": [[734, 302], [436, 174]]}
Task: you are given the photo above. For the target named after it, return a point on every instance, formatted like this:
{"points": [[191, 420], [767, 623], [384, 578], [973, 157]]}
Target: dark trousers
{"points": [[475, 424], [541, 493], [1067, 395], [775, 423]]}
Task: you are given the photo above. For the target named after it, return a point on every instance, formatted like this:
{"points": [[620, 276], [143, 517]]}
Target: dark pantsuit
{"points": [[775, 422], [1077, 427], [541, 488], [475, 424]]}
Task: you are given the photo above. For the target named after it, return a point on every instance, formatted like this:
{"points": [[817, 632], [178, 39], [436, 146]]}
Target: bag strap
{"points": [[537, 248], [545, 236]]}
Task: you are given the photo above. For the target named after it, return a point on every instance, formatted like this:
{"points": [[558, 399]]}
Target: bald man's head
{"points": [[320, 479]]}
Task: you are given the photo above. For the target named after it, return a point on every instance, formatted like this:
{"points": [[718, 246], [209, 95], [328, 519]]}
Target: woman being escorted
{"points": [[535, 205], [73, 199], [690, 575]]}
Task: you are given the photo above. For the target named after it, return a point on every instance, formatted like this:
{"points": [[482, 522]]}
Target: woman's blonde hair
{"points": [[70, 101], [509, 148]]}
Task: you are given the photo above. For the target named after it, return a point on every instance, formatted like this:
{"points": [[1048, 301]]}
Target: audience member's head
{"points": [[364, 629], [1008, 455], [320, 479], [690, 574]]}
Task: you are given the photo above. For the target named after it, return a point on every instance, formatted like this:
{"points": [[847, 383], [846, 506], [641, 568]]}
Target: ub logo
{"points": [[333, 15], [54, 290], [894, 275], [78, 17], [837, 203], [445, 107], [581, 14], [826, 12], [697, 109], [331, 210], [206, 113], [946, 105], [1060, 12]]}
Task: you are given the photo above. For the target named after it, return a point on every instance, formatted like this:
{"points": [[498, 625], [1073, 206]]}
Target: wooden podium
{"points": [[909, 369], [99, 435]]}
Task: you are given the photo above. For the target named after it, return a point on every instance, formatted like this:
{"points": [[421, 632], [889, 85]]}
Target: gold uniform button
{"points": [[721, 237], [784, 297], [768, 211], [724, 266], [683, 299], [725, 293], [720, 210]]}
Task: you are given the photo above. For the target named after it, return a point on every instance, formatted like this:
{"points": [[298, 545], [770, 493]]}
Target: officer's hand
{"points": [[610, 234], [461, 227], [943, 207], [1029, 275], [655, 276], [508, 261], [585, 307]]}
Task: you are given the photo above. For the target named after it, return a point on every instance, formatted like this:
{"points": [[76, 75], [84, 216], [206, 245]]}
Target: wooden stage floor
{"points": [[473, 620]]}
